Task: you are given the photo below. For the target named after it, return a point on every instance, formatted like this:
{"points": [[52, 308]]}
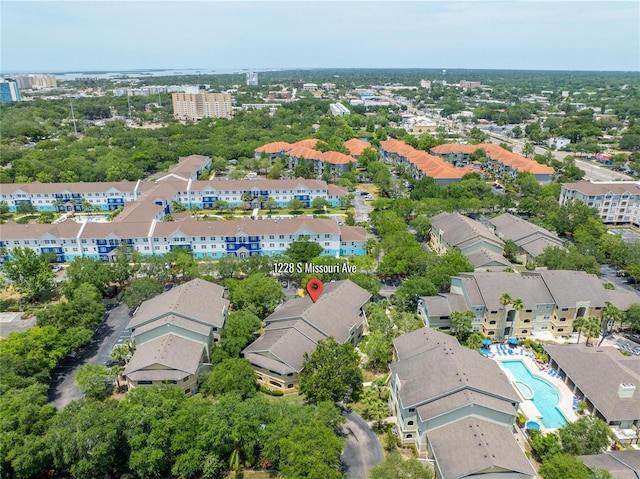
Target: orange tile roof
{"points": [[356, 146], [275, 147], [499, 154], [430, 165], [308, 143]]}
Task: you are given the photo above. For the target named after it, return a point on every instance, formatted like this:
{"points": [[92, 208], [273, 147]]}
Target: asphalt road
{"points": [[362, 209], [608, 275], [362, 449], [63, 388]]}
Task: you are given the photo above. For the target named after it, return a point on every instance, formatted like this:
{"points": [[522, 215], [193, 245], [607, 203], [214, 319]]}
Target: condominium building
{"points": [[9, 90], [36, 82], [194, 107], [618, 202], [551, 300], [145, 205], [457, 408], [252, 79], [295, 328]]}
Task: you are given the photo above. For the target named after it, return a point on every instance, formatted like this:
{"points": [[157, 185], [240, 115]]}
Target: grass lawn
{"points": [[369, 188]]}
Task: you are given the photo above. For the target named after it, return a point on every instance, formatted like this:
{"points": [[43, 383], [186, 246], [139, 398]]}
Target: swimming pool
{"points": [[545, 395]]}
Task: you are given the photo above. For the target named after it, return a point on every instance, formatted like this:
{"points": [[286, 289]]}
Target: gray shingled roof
{"points": [[530, 288], [621, 464], [178, 321], [484, 258], [458, 230], [280, 350], [598, 372], [197, 300], [334, 314], [170, 354], [617, 188], [472, 445], [569, 287], [460, 399], [432, 365], [443, 304]]}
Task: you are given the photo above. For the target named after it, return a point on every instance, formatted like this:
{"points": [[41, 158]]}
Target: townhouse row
{"points": [[204, 239]]}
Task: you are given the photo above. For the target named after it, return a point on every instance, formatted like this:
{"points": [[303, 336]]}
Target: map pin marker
{"points": [[314, 288]]}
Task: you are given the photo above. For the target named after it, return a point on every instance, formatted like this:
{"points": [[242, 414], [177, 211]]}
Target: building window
{"points": [[412, 409], [409, 436], [144, 383], [410, 423]]}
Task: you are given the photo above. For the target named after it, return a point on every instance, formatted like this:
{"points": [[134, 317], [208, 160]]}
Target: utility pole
{"points": [[73, 118]]}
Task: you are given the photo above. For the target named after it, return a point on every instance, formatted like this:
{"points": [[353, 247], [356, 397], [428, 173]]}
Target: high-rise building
{"points": [[252, 79], [9, 90], [190, 106], [36, 82]]}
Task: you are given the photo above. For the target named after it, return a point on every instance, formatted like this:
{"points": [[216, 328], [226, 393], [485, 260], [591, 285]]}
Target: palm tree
{"points": [[505, 299], [611, 314], [517, 304], [578, 325], [592, 328]]}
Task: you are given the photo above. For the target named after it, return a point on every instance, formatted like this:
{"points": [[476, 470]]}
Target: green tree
{"points": [[564, 466], [239, 330], [257, 294], [578, 325], [233, 375], [510, 250], [89, 271], [295, 205], [422, 225], [378, 347], [331, 373], [545, 446], [86, 438], [633, 316], [395, 466], [269, 204], [140, 290], [592, 328], [611, 315], [319, 203], [303, 250], [588, 435], [463, 324], [30, 272], [92, 379]]}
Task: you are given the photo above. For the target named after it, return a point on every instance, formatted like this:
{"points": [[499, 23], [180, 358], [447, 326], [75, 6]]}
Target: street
{"points": [[362, 449], [362, 209], [63, 388]]}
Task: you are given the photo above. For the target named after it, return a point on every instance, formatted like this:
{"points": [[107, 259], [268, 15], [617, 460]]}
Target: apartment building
{"points": [[9, 90], [500, 160], [530, 239], [36, 82], [174, 333], [551, 300], [338, 109], [141, 225], [204, 239], [178, 185], [295, 328], [292, 153], [194, 107], [418, 162], [618, 203], [444, 394]]}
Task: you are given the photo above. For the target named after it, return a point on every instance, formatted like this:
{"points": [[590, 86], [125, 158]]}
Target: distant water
{"points": [[102, 75]]}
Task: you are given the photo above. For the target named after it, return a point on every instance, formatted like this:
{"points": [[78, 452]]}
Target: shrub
{"points": [[270, 392]]}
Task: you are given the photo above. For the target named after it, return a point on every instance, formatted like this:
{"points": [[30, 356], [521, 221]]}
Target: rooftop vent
{"points": [[626, 390]]}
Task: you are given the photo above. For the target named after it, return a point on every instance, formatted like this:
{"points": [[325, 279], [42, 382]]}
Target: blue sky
{"points": [[56, 36]]}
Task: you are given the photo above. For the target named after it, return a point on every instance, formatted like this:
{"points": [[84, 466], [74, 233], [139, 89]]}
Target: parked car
{"points": [[56, 268]]}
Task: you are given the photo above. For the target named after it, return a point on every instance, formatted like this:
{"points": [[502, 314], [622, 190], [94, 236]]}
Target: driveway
{"points": [[362, 449], [63, 388]]}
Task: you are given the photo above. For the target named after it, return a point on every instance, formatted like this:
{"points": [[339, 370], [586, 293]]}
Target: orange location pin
{"points": [[314, 288]]}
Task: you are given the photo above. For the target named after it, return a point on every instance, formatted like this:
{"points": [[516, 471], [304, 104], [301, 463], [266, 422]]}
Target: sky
{"points": [[76, 36]]}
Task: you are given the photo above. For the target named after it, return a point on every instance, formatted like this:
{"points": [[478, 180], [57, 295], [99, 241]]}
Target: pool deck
{"points": [[528, 409]]}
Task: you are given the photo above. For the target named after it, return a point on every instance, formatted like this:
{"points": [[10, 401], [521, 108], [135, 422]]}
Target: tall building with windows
{"points": [[9, 90], [196, 106], [252, 79]]}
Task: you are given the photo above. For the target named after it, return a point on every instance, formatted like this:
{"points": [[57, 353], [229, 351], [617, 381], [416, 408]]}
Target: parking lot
{"points": [[624, 344], [111, 332]]}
